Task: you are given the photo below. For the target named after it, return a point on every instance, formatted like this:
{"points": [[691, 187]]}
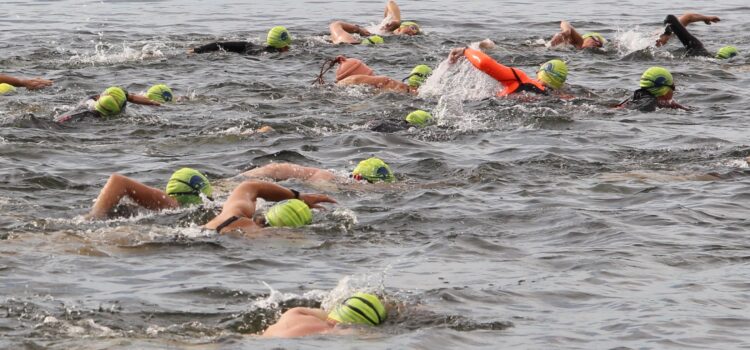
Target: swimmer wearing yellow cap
{"points": [[359, 309], [569, 35], [109, 103], [371, 170], [278, 39], [29, 84], [693, 46], [238, 212], [395, 25], [657, 90]]}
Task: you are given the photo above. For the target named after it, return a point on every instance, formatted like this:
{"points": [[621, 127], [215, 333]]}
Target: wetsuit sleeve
{"points": [[642, 101], [692, 44], [229, 46], [388, 126]]}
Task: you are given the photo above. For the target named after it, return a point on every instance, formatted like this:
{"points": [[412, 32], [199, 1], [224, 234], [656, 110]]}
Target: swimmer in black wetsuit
{"points": [[278, 40], [691, 43], [656, 90], [418, 118], [109, 103]]}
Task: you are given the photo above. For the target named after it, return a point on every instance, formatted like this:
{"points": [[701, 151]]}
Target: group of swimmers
{"points": [[293, 209]]}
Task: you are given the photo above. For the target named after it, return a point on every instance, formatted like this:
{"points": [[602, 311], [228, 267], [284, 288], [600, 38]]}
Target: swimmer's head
{"points": [[418, 75], [111, 101], [726, 52], [593, 39], [278, 37], [409, 28], [657, 81], [419, 118], [186, 186], [553, 73], [289, 213], [372, 40], [160, 93], [6, 88], [373, 170], [360, 308]]}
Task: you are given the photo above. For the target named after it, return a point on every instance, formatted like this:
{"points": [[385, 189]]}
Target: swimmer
{"points": [[9, 83], [111, 102], [278, 40], [395, 25], [657, 89], [341, 33], [550, 77], [185, 187], [415, 119], [569, 35], [413, 81], [691, 43], [359, 309], [372, 170], [238, 213]]}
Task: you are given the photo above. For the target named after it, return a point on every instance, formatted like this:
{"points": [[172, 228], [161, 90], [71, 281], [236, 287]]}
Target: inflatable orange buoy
{"points": [[511, 78], [351, 66]]}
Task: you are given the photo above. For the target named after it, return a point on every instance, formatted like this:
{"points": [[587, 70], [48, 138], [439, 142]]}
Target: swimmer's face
{"points": [[409, 30], [591, 42]]}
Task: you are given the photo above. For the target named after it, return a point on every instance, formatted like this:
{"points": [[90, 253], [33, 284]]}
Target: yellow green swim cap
{"points": [[289, 213], [118, 93], [372, 40], [657, 80], [553, 73], [160, 93], [418, 75], [186, 186], [411, 24], [419, 118], [278, 37], [360, 308], [596, 36], [726, 52], [6, 88], [107, 106], [373, 170]]}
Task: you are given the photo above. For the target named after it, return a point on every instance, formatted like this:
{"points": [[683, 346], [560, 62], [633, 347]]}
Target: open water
{"points": [[547, 224]]}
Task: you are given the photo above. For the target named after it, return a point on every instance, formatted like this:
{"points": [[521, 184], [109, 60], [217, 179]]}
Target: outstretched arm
{"points": [[142, 100], [30, 84], [393, 12], [341, 32], [286, 171], [672, 104], [119, 186]]}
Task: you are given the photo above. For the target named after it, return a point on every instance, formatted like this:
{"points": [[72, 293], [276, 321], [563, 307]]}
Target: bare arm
{"points": [[567, 35], [378, 82], [31, 84], [286, 171], [672, 104], [393, 12], [142, 100], [119, 186]]}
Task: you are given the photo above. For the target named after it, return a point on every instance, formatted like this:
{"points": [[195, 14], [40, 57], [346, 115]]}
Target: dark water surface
{"points": [[540, 225]]}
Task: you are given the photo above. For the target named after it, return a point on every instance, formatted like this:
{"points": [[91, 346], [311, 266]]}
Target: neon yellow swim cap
{"points": [[373, 170], [372, 40], [160, 93], [6, 88], [726, 52], [553, 73], [360, 308], [418, 75], [187, 184], [657, 80], [289, 213], [118, 93], [419, 118], [107, 106], [596, 36], [278, 37], [411, 24]]}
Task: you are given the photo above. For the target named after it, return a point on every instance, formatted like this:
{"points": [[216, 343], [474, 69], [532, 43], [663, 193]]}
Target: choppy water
{"points": [[541, 225]]}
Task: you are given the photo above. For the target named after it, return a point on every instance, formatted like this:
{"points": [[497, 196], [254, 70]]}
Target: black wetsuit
{"points": [[242, 47], [692, 44], [642, 100], [388, 125], [82, 111]]}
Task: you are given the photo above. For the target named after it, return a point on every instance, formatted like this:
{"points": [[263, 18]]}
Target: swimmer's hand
{"points": [[36, 83], [456, 54], [710, 19], [312, 199], [363, 31]]}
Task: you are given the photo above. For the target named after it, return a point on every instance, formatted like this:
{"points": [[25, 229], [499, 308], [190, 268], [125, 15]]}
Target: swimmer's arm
{"points": [[315, 312], [142, 100], [353, 28], [672, 104], [229, 46], [248, 192], [285, 171], [688, 18], [392, 10], [570, 33], [119, 186], [30, 84]]}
